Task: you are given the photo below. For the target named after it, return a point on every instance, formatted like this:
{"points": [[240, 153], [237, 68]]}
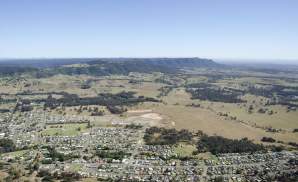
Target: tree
{"points": [[7, 145], [219, 179]]}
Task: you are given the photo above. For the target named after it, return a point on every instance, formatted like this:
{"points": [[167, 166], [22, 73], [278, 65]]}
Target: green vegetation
{"points": [[63, 176], [268, 139], [163, 136], [283, 95], [133, 126], [218, 144], [185, 150], [210, 92], [164, 91], [15, 70], [7, 145], [64, 130], [114, 102], [293, 144], [60, 156], [117, 155]]}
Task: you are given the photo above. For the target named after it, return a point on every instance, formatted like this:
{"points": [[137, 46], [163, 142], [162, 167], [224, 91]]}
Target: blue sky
{"points": [[248, 29]]}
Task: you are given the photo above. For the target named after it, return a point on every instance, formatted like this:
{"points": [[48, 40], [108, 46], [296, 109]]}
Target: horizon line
{"points": [[135, 57]]}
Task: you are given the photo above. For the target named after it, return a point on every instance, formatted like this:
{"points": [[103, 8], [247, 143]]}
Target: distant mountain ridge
{"points": [[43, 62], [55, 62], [108, 66], [168, 62]]}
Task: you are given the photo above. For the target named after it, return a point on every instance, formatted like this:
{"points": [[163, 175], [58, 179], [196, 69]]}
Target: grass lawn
{"points": [[65, 130], [185, 149], [76, 167]]}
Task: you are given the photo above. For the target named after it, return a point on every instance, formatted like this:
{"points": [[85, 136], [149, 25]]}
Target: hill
{"points": [[104, 66]]}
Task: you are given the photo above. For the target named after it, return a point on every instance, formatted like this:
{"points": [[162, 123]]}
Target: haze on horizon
{"points": [[238, 30]]}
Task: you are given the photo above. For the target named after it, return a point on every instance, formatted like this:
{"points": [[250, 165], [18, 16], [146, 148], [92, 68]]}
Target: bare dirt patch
{"points": [[140, 111], [153, 116]]}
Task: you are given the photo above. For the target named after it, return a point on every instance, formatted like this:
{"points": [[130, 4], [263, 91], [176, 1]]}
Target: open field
{"points": [[64, 130]]}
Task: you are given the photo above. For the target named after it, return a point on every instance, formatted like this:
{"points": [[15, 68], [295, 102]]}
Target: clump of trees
{"points": [[163, 136], [218, 144], [268, 139], [116, 109], [213, 144], [117, 155], [193, 105], [23, 106], [55, 155], [4, 110], [262, 110], [113, 102], [64, 176], [85, 86], [133, 126], [293, 144], [288, 176], [279, 94], [219, 179], [204, 91], [275, 148], [7, 145], [96, 112], [164, 91]]}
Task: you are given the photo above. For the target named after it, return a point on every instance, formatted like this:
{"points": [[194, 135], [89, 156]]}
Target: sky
{"points": [[223, 29]]}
